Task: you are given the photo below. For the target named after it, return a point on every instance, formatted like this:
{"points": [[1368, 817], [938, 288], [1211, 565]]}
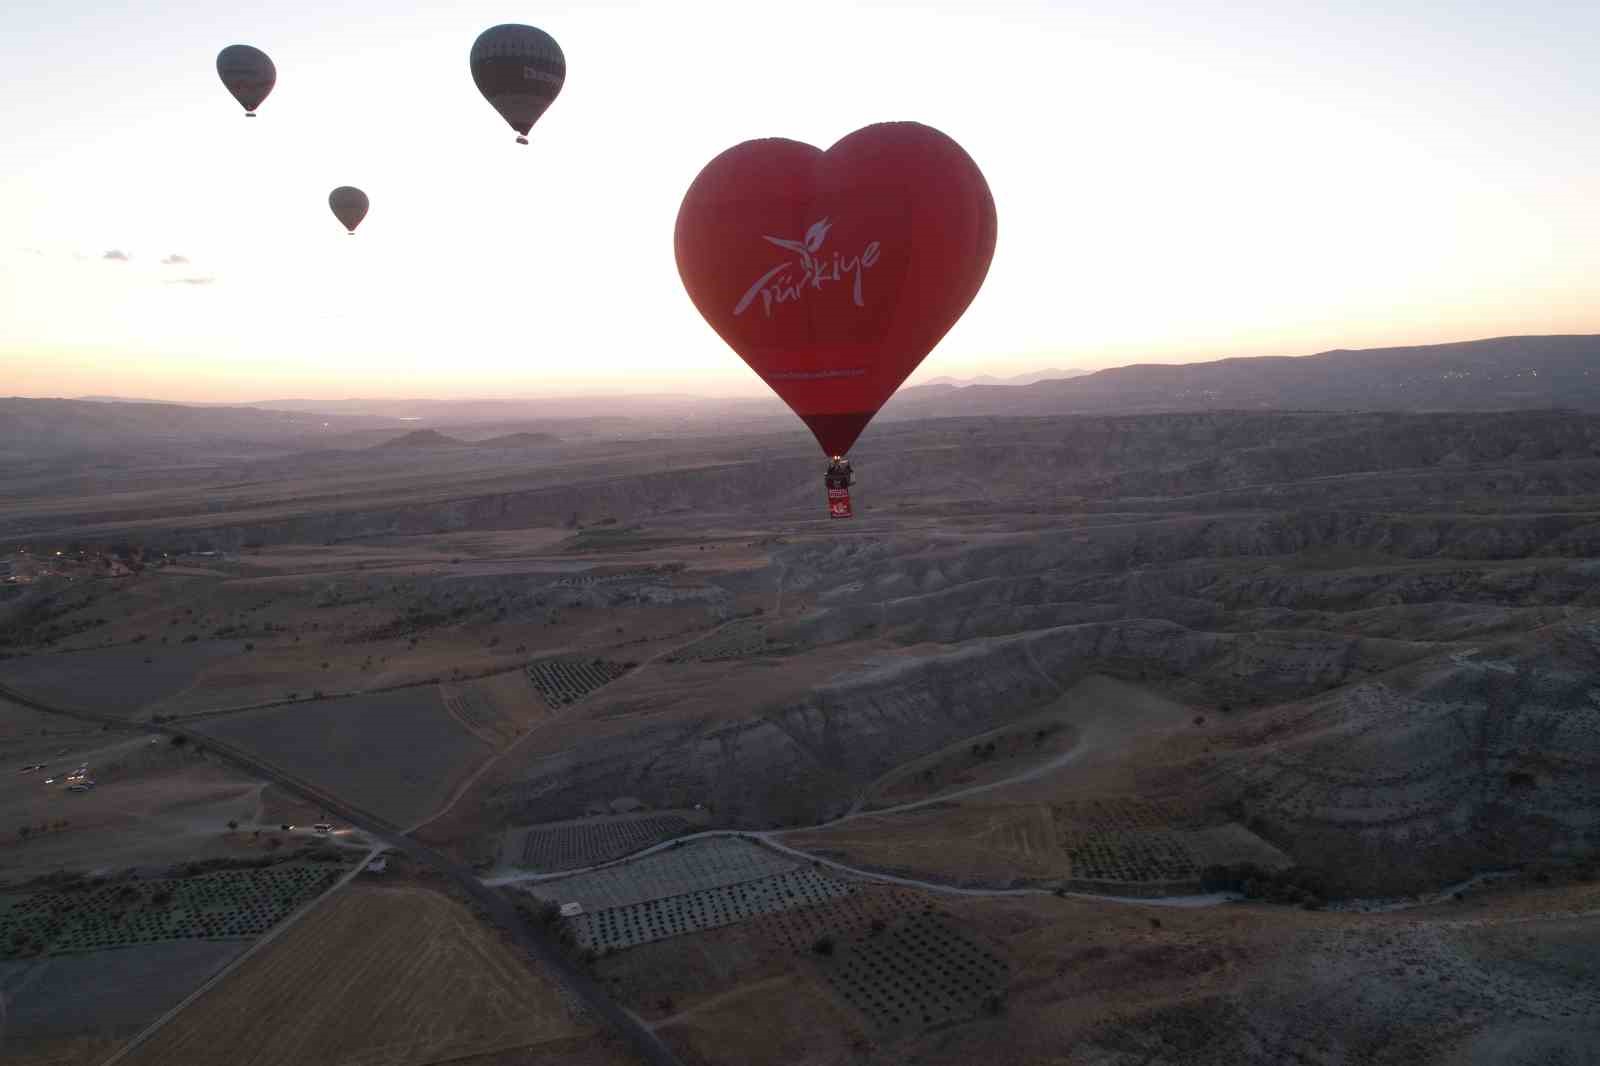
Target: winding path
{"points": [[770, 838]]}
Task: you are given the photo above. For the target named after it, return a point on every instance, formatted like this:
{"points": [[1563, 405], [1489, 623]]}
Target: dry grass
{"points": [[498, 708], [986, 845], [377, 976]]}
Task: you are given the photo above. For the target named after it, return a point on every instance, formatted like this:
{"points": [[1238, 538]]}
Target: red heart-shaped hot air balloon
{"points": [[834, 273]]}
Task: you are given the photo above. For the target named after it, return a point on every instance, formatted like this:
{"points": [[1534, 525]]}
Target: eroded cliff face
{"points": [[1472, 760], [1395, 720]]}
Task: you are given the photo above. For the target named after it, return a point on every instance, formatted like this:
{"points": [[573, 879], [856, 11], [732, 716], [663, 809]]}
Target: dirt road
{"points": [[497, 907]]}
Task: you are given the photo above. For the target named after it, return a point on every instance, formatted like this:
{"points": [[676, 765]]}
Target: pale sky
{"points": [[1173, 182]]}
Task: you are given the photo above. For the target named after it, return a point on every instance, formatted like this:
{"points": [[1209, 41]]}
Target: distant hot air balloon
{"points": [[519, 70], [349, 206], [834, 273], [248, 74]]}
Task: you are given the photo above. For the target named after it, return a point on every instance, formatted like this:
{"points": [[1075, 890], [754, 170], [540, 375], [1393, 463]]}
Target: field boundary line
{"points": [[240, 959]]}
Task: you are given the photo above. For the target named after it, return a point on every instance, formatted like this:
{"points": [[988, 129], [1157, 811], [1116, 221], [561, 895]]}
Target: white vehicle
{"points": [[323, 827]]}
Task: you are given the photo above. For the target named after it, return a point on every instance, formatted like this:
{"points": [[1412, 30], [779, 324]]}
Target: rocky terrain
{"points": [[1383, 624]]}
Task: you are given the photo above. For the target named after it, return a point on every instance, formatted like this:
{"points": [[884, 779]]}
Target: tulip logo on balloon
{"points": [[778, 285]]}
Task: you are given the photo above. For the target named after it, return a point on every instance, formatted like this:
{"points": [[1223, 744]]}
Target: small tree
{"points": [[823, 945], [233, 823]]}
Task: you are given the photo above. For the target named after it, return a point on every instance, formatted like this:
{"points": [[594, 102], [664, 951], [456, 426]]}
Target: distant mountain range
{"points": [[432, 438], [1016, 379], [1497, 374]]}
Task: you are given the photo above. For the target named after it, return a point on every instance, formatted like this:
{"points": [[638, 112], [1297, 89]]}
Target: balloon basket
{"points": [[839, 503], [522, 140]]}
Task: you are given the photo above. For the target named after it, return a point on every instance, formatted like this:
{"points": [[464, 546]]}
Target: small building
{"points": [[378, 865]]}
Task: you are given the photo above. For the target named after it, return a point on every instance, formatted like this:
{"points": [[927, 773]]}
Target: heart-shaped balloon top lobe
{"points": [[834, 273]]}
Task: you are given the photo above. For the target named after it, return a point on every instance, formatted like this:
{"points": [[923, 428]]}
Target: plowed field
{"points": [[378, 976]]}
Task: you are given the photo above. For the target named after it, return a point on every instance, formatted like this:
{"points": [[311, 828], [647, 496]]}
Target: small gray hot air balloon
{"points": [[519, 70], [248, 74], [349, 206]]}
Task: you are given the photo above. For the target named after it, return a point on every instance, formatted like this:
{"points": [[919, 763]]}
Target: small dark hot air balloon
{"points": [[349, 206], [248, 74], [834, 273], [520, 71]]}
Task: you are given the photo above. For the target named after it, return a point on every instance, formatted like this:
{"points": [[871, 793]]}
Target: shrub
{"points": [[823, 945], [179, 741], [233, 823], [1295, 885]]}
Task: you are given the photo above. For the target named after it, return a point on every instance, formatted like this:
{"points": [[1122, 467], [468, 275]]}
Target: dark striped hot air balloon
{"points": [[349, 206], [248, 73], [520, 71]]}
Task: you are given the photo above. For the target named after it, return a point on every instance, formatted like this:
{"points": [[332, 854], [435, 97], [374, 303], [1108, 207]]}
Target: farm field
{"points": [[116, 680], [917, 972], [377, 976], [692, 867], [55, 1006], [397, 754], [226, 904], [555, 846], [739, 641], [968, 845], [497, 709], [619, 928], [562, 680]]}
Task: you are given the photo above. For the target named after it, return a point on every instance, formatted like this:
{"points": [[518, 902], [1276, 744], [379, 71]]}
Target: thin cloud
{"points": [[203, 279], [174, 260], [117, 255]]}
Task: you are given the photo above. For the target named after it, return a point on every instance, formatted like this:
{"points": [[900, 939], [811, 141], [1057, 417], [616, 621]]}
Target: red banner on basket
{"points": [[839, 503]]}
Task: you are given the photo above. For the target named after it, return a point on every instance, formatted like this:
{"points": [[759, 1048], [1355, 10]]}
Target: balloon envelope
{"points": [[519, 70], [349, 206], [248, 73], [834, 273]]}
